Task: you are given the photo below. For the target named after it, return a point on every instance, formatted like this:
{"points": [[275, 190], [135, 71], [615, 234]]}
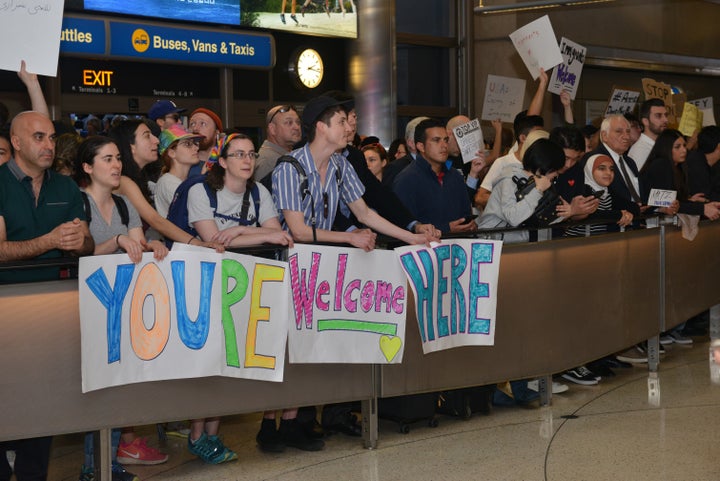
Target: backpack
{"points": [[178, 210], [304, 189], [119, 204]]}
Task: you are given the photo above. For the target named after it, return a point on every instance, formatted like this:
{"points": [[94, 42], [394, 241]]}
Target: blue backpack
{"points": [[178, 210]]}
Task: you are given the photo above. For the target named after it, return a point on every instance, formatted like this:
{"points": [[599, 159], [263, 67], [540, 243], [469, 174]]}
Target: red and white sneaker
{"points": [[138, 452]]}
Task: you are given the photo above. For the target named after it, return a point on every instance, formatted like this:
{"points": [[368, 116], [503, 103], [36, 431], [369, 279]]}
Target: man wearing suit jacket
{"points": [[614, 141]]}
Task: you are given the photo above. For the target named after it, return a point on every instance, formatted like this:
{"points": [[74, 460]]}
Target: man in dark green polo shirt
{"points": [[41, 215]]}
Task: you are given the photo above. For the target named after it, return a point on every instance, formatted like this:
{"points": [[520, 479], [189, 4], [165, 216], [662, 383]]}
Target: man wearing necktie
{"points": [[615, 140]]}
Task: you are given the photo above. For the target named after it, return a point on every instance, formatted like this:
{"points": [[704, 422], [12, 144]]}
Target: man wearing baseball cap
{"points": [[207, 123], [309, 218], [165, 113]]}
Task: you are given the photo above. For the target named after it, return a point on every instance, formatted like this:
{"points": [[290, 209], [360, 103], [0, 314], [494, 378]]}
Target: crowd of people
{"points": [[315, 179]]}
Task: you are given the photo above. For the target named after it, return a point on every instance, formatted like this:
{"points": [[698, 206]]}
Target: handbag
{"points": [[545, 211]]}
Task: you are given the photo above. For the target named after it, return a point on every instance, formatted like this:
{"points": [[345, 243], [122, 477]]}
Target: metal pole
{"points": [[371, 70]]}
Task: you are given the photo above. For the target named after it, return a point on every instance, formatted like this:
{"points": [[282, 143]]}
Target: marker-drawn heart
{"points": [[390, 346], [571, 182]]}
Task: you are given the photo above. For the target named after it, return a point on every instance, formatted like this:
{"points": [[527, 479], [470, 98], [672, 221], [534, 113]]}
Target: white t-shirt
{"points": [[165, 189], [640, 150], [228, 203], [496, 168]]}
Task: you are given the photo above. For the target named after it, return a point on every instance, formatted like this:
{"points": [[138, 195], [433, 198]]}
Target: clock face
{"points": [[309, 67]]}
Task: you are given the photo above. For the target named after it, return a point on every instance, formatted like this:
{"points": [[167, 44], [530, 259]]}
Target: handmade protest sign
{"points": [[622, 101], [346, 305], [691, 120], [537, 45], [503, 98], [661, 198], [705, 105], [455, 287], [194, 314], [30, 31], [470, 139], [566, 75]]}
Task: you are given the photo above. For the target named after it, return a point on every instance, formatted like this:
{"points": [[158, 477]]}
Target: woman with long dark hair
{"points": [[138, 148], [665, 169]]}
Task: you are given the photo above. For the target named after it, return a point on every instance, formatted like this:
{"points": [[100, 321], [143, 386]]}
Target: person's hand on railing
{"points": [[158, 249], [672, 209], [583, 206], [699, 197], [626, 219], [431, 232], [132, 248], [68, 236], [363, 239], [712, 210], [564, 209]]}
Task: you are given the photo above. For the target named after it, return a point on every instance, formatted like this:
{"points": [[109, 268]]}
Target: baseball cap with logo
{"points": [[161, 108]]}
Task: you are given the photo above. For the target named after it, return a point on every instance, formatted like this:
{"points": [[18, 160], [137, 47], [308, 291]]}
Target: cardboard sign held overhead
{"points": [[622, 101], [566, 76], [537, 45], [691, 120], [706, 106], [660, 90], [503, 98], [30, 31]]}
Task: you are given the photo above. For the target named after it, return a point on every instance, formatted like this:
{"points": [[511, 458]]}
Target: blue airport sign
{"points": [[184, 45], [82, 35]]}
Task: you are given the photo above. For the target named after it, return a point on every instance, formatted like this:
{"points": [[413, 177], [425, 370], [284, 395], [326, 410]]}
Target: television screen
{"points": [[206, 11]]}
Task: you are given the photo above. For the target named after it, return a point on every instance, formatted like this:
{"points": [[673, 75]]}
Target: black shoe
{"points": [[268, 438], [312, 429], [294, 436], [282, 18], [294, 18], [601, 369], [302, 11], [348, 426], [614, 363]]}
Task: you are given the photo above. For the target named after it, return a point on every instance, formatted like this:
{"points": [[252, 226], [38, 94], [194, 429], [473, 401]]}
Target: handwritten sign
{"points": [[347, 306], [455, 287], [661, 198], [566, 76], [705, 106], [691, 120], [659, 90], [30, 31], [504, 98], [470, 139], [194, 314], [622, 101], [537, 45]]}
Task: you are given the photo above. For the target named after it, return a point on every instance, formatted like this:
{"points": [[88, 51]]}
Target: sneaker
{"points": [[679, 338], [302, 11], [211, 450], [294, 18], [294, 436], [282, 18], [268, 438], [121, 474], [580, 375], [177, 429], [138, 452], [642, 348], [557, 387], [632, 356], [665, 340]]}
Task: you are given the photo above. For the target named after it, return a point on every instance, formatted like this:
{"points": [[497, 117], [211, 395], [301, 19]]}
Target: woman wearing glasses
{"points": [[178, 151]]}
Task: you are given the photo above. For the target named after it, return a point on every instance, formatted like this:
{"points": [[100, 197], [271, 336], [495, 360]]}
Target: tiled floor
{"points": [[606, 432]]}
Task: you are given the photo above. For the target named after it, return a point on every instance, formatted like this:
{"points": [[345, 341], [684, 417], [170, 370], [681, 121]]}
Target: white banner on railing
{"points": [[194, 314], [455, 287], [347, 305]]}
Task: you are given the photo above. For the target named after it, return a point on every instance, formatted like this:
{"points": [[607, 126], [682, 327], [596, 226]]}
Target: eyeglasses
{"points": [[189, 143], [241, 154], [283, 109]]}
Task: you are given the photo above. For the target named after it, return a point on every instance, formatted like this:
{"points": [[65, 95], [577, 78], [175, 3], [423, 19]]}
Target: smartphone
{"points": [[469, 218]]}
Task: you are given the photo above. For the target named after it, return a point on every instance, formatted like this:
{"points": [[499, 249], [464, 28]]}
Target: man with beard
{"points": [[207, 123], [653, 115]]}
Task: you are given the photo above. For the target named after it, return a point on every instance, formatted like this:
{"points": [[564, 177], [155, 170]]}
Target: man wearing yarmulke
{"points": [[207, 123]]}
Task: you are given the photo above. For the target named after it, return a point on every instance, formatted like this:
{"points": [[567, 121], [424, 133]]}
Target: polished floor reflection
{"points": [[631, 426]]}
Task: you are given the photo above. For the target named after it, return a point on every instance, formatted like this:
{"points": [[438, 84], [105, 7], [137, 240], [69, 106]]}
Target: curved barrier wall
{"points": [[560, 304]]}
